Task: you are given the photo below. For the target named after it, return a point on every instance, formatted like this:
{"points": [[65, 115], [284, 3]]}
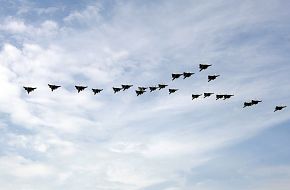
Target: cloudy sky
{"points": [[65, 140]]}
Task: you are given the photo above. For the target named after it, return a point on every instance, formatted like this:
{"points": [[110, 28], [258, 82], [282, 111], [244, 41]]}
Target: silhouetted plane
{"points": [[247, 104], [53, 87], [203, 67], [140, 92], [194, 96], [255, 102], [175, 75], [278, 108], [126, 86], [142, 88], [212, 77], [116, 89], [96, 90], [172, 90], [227, 96], [219, 96], [207, 94], [186, 75], [160, 86], [29, 89], [153, 88], [80, 88]]}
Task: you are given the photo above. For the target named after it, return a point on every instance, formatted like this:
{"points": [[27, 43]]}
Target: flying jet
{"points": [[140, 92], [29, 89], [212, 77], [80, 88], [142, 88], [160, 86], [116, 89], [255, 102], [207, 94], [171, 90], [126, 86], [194, 96], [227, 96], [186, 75], [278, 108], [153, 88], [219, 96], [203, 67], [175, 75], [247, 104], [53, 87], [96, 90]]}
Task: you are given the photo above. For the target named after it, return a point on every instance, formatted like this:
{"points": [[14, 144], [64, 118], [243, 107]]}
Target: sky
{"points": [[69, 140]]}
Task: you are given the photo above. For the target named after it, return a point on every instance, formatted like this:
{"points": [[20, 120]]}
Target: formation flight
{"points": [[53, 87], [139, 92], [29, 89], [80, 88], [207, 94], [161, 86], [116, 89], [152, 88], [212, 77], [187, 74], [279, 108], [203, 67], [126, 86], [195, 96], [142, 88], [175, 76], [96, 90], [171, 90]]}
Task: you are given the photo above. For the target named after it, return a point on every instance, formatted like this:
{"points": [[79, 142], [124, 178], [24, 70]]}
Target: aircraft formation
{"points": [[141, 90]]}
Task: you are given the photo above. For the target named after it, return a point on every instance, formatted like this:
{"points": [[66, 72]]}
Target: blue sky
{"points": [[66, 140]]}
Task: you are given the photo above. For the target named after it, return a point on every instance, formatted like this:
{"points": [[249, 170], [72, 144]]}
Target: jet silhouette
{"points": [[247, 104], [116, 89], [172, 90], [207, 94], [194, 96], [212, 77], [80, 88], [186, 75], [126, 86], [255, 102], [175, 75], [203, 67], [29, 89], [140, 92], [227, 96], [278, 108], [219, 96], [53, 87], [142, 88], [153, 88], [160, 86], [96, 90]]}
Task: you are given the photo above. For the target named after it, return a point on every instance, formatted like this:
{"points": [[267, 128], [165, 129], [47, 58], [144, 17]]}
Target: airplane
{"points": [[172, 90], [96, 90], [207, 94], [80, 88], [227, 96], [203, 67], [116, 89], [153, 88], [278, 108], [212, 77], [247, 104], [139, 92], [29, 89], [194, 96], [160, 86], [219, 96], [142, 88], [255, 102], [186, 75], [126, 86], [175, 75], [53, 87]]}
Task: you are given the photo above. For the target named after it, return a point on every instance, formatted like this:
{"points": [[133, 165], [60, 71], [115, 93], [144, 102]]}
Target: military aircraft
{"points": [[116, 89], [219, 96], [142, 88], [29, 89], [186, 75], [207, 94], [171, 90], [53, 87], [161, 86], [175, 75], [194, 96], [126, 86], [247, 104], [212, 77], [80, 88], [203, 67], [226, 96], [255, 102], [278, 108], [96, 90], [153, 88], [140, 92]]}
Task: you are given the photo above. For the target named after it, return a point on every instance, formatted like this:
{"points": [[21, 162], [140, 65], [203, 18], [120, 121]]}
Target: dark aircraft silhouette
{"points": [[142, 88], [153, 88], [278, 108], [126, 86], [116, 89], [194, 96], [29, 89], [247, 104], [53, 87], [140, 92], [175, 75], [160, 86], [96, 90], [255, 102], [219, 96], [80, 88], [203, 67], [212, 77], [227, 96], [186, 75], [171, 90], [207, 94]]}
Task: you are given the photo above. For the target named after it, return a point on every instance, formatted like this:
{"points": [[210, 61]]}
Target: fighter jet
{"points": [[175, 75], [219, 96], [212, 77], [247, 104], [160, 86], [53, 87], [140, 92], [171, 90], [29, 89], [226, 96], [255, 102], [186, 75], [116, 89], [194, 96], [153, 88], [142, 88], [207, 94], [80, 88], [278, 108], [126, 86], [203, 67], [96, 90]]}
